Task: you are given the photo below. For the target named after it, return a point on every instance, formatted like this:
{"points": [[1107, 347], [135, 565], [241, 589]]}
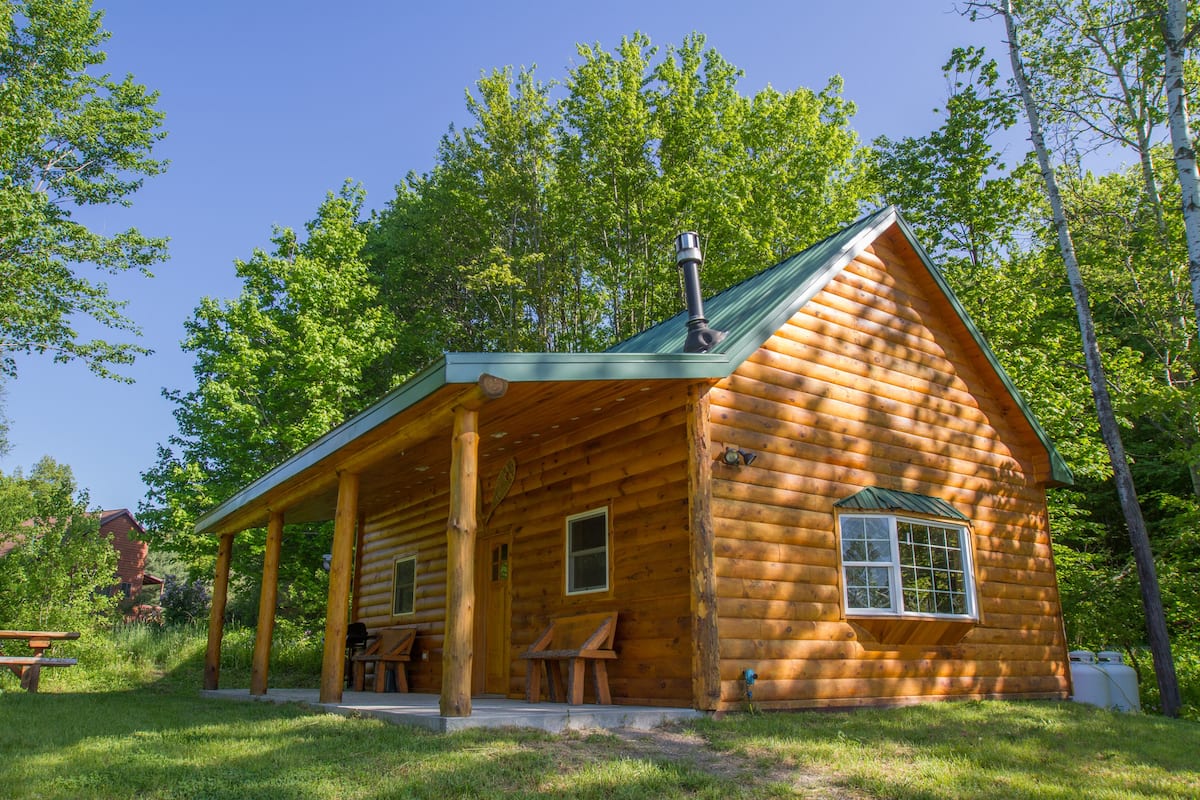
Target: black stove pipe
{"points": [[700, 337]]}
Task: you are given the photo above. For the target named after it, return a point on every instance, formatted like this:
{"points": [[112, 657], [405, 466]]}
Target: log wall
{"points": [[876, 382], [630, 458]]}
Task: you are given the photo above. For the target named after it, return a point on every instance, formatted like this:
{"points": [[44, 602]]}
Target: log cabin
{"points": [[818, 485]]}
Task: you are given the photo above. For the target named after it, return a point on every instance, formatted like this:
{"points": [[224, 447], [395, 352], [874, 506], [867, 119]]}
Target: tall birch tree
{"points": [[1156, 627], [1177, 37]]}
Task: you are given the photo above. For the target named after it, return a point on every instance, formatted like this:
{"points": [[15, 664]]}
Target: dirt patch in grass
{"points": [[683, 747]]}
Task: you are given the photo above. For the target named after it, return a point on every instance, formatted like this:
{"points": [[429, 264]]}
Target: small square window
{"points": [[404, 586], [587, 552]]}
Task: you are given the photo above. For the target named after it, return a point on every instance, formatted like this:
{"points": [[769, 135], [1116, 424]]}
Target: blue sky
{"points": [[271, 104]]}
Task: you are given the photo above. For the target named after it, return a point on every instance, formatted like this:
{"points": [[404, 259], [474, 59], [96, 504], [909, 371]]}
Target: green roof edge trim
{"points": [[1059, 470], [875, 498]]}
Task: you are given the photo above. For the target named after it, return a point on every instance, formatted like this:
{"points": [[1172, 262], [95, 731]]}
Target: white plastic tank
{"points": [[1091, 684], [1122, 681]]}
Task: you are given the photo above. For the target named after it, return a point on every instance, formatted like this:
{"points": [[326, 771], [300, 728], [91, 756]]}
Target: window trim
{"points": [[895, 569], [569, 564], [395, 568]]}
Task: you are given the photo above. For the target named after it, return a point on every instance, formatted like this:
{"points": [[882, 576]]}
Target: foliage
{"points": [[71, 139], [184, 601], [275, 368], [59, 563], [952, 184], [546, 224]]}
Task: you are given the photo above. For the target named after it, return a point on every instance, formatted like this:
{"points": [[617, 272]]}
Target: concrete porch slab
{"points": [[421, 711]]}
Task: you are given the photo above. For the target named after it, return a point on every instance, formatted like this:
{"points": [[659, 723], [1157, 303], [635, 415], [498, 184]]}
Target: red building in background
{"points": [[121, 528]]}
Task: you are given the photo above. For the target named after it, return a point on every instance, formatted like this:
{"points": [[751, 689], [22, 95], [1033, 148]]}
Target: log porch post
{"points": [[266, 605], [333, 664], [216, 614], [457, 648], [706, 654]]}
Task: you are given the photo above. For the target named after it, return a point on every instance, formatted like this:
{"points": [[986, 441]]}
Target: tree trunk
{"points": [[1174, 32], [1156, 625]]}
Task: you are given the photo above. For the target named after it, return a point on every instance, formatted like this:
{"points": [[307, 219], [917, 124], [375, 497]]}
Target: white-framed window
{"points": [[898, 565], [587, 552], [404, 585]]}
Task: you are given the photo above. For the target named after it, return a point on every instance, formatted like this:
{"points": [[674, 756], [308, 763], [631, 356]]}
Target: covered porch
{"points": [[422, 711], [426, 441]]}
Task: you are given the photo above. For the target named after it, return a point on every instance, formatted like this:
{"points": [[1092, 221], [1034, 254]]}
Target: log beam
{"points": [[457, 654], [333, 663], [216, 614], [706, 655], [266, 605]]}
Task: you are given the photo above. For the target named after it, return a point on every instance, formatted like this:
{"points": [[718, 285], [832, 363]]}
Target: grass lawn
{"points": [[109, 737]]}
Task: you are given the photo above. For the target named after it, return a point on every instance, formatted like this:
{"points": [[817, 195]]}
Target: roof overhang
{"points": [[412, 410]]}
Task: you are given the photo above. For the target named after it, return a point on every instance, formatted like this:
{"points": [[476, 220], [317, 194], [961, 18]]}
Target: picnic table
{"points": [[29, 668]]}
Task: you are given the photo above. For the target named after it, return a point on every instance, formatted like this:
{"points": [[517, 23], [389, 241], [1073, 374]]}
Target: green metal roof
{"points": [[750, 313], [874, 498]]}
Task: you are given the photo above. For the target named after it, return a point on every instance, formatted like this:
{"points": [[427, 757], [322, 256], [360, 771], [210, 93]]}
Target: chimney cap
{"points": [[687, 247]]}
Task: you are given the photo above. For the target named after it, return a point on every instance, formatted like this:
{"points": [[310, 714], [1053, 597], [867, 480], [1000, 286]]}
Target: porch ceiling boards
{"points": [[527, 412]]}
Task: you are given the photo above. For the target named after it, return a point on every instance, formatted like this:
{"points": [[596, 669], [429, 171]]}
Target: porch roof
{"points": [[306, 482]]}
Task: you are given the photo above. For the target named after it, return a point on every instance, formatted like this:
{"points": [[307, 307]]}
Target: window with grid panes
{"points": [[896, 565]]}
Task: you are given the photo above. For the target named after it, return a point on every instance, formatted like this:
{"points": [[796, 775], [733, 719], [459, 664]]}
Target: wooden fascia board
{"points": [[567, 367]]}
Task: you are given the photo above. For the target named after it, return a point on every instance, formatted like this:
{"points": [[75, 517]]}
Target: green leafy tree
{"points": [[493, 280], [275, 368], [69, 139], [546, 225], [54, 575], [952, 184]]}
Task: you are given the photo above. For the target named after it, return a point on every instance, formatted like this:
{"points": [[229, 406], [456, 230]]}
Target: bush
{"points": [[184, 603]]}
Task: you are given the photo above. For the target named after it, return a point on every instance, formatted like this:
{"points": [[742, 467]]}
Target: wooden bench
{"points": [[581, 641], [390, 650], [28, 669]]}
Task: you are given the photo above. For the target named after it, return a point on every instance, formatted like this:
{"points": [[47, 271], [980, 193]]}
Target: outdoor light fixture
{"points": [[732, 456]]}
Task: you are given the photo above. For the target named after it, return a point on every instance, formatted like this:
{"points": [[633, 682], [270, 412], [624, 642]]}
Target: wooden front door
{"points": [[492, 613]]}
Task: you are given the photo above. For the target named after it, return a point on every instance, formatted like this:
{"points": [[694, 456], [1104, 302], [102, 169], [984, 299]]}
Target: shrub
{"points": [[183, 602]]}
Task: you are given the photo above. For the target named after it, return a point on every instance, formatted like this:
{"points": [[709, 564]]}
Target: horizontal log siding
{"points": [[630, 458], [869, 384]]}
